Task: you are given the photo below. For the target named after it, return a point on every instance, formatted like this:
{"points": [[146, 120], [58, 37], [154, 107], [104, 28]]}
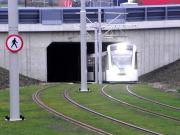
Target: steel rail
{"points": [[137, 107], [37, 100], [66, 95], [150, 100]]}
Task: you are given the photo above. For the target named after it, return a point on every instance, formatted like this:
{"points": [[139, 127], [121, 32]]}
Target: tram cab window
{"points": [[121, 56]]}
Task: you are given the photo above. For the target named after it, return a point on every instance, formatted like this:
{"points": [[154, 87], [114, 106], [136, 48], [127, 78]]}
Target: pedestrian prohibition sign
{"points": [[14, 43]]}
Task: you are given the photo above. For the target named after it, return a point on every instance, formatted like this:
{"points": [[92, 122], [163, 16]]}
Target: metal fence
{"points": [[61, 3]]}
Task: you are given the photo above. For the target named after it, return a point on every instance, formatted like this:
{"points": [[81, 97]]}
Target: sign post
{"points": [[14, 43]]}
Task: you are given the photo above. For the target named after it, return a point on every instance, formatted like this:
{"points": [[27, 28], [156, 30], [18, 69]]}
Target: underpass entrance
{"points": [[63, 61]]}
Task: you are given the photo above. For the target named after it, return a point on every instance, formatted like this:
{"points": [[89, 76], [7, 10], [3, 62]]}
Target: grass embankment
{"points": [[38, 121], [120, 92], [54, 98], [169, 98], [116, 110]]}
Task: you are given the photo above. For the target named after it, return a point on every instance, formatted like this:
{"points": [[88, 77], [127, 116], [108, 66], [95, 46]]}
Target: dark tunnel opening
{"points": [[63, 61]]}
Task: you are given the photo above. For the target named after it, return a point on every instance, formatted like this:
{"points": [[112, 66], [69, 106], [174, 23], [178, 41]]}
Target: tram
{"points": [[119, 63]]}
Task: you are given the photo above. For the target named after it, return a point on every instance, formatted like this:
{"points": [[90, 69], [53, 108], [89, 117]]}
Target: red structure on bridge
{"points": [[158, 2]]}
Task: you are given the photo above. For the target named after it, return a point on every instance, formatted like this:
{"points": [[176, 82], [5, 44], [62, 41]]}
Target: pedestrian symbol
{"points": [[14, 43]]}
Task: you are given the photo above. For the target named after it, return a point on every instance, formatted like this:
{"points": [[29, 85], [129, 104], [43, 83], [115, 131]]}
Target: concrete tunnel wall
{"points": [[156, 47]]}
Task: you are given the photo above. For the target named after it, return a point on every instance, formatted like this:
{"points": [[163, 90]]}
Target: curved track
{"points": [[108, 117], [37, 99], [153, 101], [137, 107]]}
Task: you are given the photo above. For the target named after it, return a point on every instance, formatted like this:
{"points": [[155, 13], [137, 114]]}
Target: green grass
{"points": [[120, 92], [101, 104], [38, 121], [156, 94], [53, 97]]}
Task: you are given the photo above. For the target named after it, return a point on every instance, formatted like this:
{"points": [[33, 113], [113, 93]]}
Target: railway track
{"points": [[37, 100], [153, 101], [137, 107], [66, 95]]}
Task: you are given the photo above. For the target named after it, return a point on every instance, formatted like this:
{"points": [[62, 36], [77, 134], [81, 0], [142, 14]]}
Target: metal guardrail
{"points": [[72, 15]]}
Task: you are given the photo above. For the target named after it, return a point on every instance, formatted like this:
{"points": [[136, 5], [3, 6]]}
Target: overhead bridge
{"points": [[72, 15], [52, 38]]}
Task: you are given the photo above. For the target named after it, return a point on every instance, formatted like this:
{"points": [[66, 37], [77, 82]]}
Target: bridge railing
{"points": [[72, 15]]}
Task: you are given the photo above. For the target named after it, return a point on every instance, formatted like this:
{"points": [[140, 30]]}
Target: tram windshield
{"points": [[121, 56]]}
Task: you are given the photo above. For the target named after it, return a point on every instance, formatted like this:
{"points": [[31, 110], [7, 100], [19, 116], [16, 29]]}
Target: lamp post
{"points": [[96, 52], [83, 47], [100, 46]]}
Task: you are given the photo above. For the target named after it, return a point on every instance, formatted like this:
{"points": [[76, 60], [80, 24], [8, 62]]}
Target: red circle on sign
{"points": [[19, 38]]}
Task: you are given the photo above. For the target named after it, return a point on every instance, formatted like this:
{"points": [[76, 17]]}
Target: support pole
{"points": [[51, 3], [14, 69], [83, 47], [100, 46], [25, 3], [96, 52]]}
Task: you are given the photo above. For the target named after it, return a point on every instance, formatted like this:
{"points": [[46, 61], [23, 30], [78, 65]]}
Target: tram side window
{"points": [[103, 63], [136, 62], [90, 64]]}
